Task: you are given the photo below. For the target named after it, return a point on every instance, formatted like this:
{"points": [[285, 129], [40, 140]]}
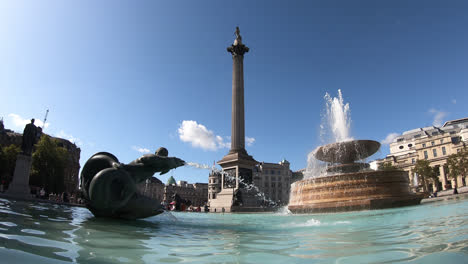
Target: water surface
{"points": [[46, 233]]}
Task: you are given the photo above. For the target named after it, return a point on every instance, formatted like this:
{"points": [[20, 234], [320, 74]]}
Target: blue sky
{"points": [[123, 76]]}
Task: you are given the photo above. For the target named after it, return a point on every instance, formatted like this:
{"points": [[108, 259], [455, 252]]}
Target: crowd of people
{"points": [[64, 197]]}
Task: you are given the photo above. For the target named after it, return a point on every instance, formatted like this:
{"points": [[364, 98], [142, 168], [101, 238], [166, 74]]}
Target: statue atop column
{"points": [[238, 39], [238, 49], [29, 138]]}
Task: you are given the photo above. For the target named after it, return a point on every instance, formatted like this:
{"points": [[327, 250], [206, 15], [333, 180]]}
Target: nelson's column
{"points": [[237, 164]]}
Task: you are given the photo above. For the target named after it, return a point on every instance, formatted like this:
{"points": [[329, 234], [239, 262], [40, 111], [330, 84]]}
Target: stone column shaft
{"points": [[238, 121]]}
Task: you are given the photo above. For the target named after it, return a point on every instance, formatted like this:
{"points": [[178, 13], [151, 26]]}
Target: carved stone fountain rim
{"points": [[346, 151]]}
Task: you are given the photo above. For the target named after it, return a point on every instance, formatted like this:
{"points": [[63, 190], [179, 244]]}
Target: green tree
{"points": [[8, 162], [458, 165], [426, 173], [48, 166], [386, 166]]}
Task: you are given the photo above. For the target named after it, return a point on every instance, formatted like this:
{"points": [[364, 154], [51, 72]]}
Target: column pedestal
{"points": [[19, 186]]}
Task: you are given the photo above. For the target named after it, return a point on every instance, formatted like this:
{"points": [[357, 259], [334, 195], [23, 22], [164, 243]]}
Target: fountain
{"points": [[347, 185]]}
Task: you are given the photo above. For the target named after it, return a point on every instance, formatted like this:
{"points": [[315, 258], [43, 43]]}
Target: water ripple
{"points": [[59, 234]]}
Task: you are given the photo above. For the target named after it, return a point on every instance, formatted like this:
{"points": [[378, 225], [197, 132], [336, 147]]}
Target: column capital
{"points": [[239, 49]]}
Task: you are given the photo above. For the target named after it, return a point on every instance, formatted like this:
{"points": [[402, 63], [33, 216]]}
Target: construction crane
{"points": [[45, 119]]}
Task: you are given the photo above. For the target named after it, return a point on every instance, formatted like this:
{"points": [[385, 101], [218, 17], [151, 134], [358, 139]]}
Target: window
{"points": [[401, 147], [444, 152], [432, 143], [413, 160], [441, 140], [410, 145], [424, 145], [417, 136], [434, 151], [425, 154], [435, 133], [400, 139]]}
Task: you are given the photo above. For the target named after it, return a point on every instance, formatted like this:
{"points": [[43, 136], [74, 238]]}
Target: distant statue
{"points": [[2, 126], [109, 187], [238, 39], [29, 138]]}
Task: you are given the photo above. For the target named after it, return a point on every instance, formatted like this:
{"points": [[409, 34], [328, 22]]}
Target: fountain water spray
{"points": [[335, 127], [347, 184], [251, 187], [248, 187], [198, 165], [338, 118]]}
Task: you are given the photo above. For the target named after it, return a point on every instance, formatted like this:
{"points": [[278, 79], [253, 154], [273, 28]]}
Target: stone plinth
{"points": [[224, 200], [19, 186]]}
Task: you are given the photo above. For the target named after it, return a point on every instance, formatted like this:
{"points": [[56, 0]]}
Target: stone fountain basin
{"points": [[346, 151], [352, 191]]}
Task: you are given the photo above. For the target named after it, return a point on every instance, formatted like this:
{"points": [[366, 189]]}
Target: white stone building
{"points": [[434, 144]]}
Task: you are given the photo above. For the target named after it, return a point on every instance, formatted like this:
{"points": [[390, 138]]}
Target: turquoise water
{"points": [[46, 233]]}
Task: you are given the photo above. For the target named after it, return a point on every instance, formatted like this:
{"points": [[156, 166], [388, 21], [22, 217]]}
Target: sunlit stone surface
{"points": [[351, 186], [352, 191]]}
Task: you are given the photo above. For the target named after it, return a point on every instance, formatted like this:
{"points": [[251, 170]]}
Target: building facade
{"points": [[275, 181], [195, 193], [434, 144]]}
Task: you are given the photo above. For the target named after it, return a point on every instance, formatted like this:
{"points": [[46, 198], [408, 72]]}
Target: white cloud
{"points": [[21, 122], [223, 143], [249, 141], [454, 101], [141, 150], [438, 117], [389, 139], [70, 137], [201, 137]]}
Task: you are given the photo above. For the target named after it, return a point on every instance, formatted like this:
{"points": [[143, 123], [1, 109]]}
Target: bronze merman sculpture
{"points": [[109, 187]]}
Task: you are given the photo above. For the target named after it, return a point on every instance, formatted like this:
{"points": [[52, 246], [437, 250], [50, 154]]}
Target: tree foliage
{"points": [[48, 166], [426, 173], [387, 166], [8, 161], [458, 164]]}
